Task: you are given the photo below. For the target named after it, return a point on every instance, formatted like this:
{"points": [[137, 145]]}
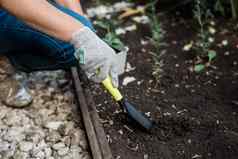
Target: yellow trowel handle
{"points": [[107, 83]]}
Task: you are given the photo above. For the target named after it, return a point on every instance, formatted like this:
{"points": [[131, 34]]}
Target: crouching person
{"points": [[48, 35]]}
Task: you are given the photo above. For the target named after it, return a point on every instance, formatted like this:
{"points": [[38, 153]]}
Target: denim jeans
{"points": [[31, 50]]}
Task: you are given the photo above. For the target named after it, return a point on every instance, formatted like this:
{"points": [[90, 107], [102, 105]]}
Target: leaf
{"points": [[130, 12], [112, 40], [199, 67], [211, 55], [102, 24]]}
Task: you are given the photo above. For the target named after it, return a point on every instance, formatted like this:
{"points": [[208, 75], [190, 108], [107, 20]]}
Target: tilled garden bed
{"points": [[195, 113]]}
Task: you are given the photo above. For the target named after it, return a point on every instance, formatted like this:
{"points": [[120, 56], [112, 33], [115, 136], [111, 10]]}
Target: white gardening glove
{"points": [[96, 58]]}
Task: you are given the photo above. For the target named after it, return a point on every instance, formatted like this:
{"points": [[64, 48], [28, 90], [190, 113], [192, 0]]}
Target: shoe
{"points": [[12, 92], [17, 96]]}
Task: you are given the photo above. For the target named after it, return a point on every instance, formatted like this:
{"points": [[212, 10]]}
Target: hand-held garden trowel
{"points": [[131, 111], [136, 116]]}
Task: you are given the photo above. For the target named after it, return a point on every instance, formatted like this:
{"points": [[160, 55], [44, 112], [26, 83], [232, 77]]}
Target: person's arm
{"points": [[72, 4], [43, 16], [95, 57]]}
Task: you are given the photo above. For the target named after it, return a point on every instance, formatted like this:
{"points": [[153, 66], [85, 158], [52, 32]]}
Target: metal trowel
{"points": [[131, 111], [136, 116]]}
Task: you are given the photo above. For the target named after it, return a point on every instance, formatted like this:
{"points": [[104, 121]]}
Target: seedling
{"points": [[211, 55], [111, 38], [157, 40], [202, 46], [199, 68]]}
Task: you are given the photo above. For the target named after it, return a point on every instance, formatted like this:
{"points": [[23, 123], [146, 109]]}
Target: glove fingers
{"points": [[92, 65], [102, 73]]}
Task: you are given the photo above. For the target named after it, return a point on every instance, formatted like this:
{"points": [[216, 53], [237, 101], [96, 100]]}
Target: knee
{"points": [[66, 55]]}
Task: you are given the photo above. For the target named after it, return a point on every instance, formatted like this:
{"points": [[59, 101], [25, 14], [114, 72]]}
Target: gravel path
{"points": [[50, 128]]}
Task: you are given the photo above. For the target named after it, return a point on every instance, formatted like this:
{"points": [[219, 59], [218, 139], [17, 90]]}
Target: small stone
{"points": [[63, 151], [3, 113], [37, 150], [146, 156], [131, 28], [120, 132], [20, 155], [212, 30], [196, 156], [144, 42], [14, 134], [78, 138], [189, 141], [148, 114], [4, 146], [212, 23], [174, 106], [41, 145], [111, 122], [75, 151], [128, 80], [140, 82], [120, 31], [167, 114], [35, 135], [211, 40], [25, 146], [48, 152], [129, 68], [141, 19], [53, 136], [188, 47], [54, 125], [224, 42], [227, 53], [67, 140], [67, 128], [8, 150], [58, 146], [13, 119], [40, 155], [62, 82]]}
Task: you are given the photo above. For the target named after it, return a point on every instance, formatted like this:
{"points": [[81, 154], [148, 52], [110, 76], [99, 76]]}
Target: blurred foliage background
{"points": [[226, 8]]}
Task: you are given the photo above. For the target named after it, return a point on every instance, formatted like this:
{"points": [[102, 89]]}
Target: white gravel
{"points": [[50, 128]]}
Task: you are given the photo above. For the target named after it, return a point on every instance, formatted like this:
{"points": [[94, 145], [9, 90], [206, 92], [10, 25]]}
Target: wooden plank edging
{"points": [[96, 136]]}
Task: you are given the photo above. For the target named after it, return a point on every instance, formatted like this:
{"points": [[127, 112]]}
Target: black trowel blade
{"points": [[137, 116]]}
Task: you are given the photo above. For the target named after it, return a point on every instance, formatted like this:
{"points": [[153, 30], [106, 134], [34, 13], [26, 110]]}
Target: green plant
{"points": [[111, 38], [202, 15], [158, 41], [218, 7], [203, 45], [234, 8]]}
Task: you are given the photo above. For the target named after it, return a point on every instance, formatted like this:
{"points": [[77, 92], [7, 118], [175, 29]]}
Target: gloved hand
{"points": [[96, 58]]}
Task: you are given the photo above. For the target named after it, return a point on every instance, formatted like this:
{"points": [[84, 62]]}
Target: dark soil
{"points": [[196, 115]]}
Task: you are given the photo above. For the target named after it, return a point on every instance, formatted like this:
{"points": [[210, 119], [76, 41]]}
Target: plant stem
{"points": [[234, 8]]}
